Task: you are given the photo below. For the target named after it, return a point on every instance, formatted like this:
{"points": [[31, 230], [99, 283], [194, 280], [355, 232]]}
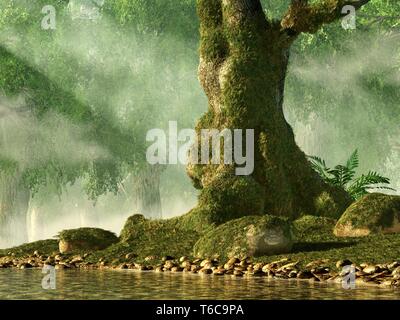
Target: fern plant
{"points": [[344, 176]]}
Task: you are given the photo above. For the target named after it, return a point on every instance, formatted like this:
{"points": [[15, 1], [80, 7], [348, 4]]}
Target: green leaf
{"points": [[343, 175], [320, 167], [363, 183], [353, 161]]}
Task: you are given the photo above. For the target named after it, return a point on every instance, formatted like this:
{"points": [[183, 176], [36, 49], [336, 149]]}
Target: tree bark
{"points": [[243, 64], [14, 200]]}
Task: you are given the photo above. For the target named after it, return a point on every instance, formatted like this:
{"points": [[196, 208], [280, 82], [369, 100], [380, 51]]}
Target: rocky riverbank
{"points": [[387, 274], [307, 248]]}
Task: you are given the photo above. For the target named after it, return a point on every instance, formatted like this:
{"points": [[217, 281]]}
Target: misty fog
{"points": [[163, 86]]}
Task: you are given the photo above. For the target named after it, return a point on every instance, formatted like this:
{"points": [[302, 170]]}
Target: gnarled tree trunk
{"points": [[243, 64]]}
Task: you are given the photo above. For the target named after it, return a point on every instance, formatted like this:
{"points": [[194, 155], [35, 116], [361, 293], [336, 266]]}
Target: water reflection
{"points": [[85, 284]]}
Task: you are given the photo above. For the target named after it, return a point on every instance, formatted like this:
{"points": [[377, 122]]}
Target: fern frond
{"points": [[318, 161], [353, 161], [342, 175], [319, 165], [363, 183]]}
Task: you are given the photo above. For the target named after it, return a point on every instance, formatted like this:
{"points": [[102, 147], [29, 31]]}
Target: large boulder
{"points": [[250, 236], [373, 213], [85, 239]]}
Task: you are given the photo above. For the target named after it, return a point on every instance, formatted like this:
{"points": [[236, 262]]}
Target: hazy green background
{"points": [[76, 102]]}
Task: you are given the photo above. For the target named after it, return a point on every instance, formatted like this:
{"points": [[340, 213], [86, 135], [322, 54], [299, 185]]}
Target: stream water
{"points": [[123, 284]]}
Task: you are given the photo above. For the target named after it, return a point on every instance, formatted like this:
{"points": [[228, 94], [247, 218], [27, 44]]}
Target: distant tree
{"points": [[97, 86]]}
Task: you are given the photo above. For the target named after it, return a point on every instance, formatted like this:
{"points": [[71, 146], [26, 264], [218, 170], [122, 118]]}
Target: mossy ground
{"points": [[141, 238], [313, 240], [45, 247]]}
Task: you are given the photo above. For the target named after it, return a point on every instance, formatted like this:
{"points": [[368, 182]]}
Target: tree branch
{"points": [[302, 17]]}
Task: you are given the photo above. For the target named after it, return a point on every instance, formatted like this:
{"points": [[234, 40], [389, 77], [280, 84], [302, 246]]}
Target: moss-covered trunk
{"points": [[243, 65], [14, 199], [146, 192]]}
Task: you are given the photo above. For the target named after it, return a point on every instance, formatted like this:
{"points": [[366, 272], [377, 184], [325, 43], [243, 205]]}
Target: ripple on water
{"points": [[126, 284]]}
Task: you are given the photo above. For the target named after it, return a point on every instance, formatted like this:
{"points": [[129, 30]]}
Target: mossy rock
{"points": [[373, 213], [85, 239], [132, 227], [312, 227], [250, 236]]}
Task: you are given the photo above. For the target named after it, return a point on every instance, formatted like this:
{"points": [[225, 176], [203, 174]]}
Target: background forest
{"points": [[76, 103]]}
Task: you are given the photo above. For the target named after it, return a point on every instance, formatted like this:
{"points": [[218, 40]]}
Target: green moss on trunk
{"points": [[243, 65]]}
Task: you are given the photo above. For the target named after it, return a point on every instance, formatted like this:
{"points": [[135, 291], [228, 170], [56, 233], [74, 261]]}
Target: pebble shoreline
{"points": [[387, 275]]}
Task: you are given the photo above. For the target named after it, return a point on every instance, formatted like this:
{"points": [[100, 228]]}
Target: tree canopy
{"points": [[107, 81]]}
